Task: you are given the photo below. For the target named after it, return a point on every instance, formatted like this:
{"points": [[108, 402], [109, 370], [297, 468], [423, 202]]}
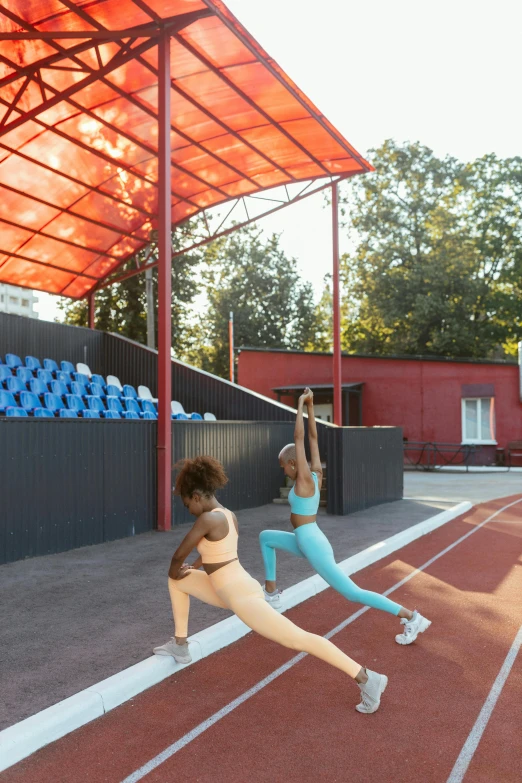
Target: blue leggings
{"points": [[310, 542]]}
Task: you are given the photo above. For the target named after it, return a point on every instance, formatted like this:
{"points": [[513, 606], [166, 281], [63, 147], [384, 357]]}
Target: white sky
{"points": [[447, 74]]}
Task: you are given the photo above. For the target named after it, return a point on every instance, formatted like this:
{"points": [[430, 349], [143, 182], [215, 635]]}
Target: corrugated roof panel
{"points": [[78, 130]]}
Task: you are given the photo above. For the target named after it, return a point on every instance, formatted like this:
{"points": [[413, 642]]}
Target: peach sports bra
{"points": [[222, 550]]}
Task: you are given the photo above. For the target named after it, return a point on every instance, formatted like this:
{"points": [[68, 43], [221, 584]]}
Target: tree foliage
{"points": [[438, 256], [252, 277], [122, 307]]}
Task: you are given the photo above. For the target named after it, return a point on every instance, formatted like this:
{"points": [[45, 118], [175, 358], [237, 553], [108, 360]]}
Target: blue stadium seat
{"points": [[98, 379], [64, 377], [53, 402], [132, 405], [78, 388], [38, 387], [29, 401], [131, 415], [79, 377], [196, 417], [91, 414], [12, 360], [114, 404], [67, 367], [5, 373], [180, 416], [32, 363], [148, 407], [15, 385], [51, 365], [95, 404], [59, 388], [66, 413], [6, 400], [96, 389], [43, 413], [130, 391], [24, 374], [113, 391], [75, 402], [45, 376], [12, 412], [112, 415], [150, 415]]}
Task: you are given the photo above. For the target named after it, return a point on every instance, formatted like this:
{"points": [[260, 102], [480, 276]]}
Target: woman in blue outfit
{"points": [[309, 541]]}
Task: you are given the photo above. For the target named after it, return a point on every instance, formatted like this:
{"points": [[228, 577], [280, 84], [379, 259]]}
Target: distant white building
{"points": [[17, 301]]}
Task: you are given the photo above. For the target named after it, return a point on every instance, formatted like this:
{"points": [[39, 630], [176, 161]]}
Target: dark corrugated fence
{"points": [[248, 451], [66, 483], [364, 467], [48, 340]]}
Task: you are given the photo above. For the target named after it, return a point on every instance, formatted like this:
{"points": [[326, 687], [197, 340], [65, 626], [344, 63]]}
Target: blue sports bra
{"points": [[305, 507]]}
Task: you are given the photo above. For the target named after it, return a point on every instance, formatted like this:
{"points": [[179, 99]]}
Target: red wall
{"points": [[423, 397]]}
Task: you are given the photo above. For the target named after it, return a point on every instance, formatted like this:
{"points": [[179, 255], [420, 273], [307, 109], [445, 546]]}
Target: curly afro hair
{"points": [[201, 474]]}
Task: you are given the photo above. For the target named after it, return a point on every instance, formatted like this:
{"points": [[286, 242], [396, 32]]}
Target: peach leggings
{"points": [[231, 587]]}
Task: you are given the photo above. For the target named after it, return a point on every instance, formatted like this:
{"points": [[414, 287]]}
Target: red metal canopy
{"points": [[79, 130]]}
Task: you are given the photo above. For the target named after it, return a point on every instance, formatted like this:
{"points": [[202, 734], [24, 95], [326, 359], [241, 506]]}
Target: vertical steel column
{"points": [[231, 346], [92, 305], [164, 289], [338, 410]]}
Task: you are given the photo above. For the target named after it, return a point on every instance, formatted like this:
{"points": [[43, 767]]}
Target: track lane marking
{"points": [[187, 738], [470, 746]]}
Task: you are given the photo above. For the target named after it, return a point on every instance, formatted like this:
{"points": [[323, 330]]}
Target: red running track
{"points": [[302, 725]]}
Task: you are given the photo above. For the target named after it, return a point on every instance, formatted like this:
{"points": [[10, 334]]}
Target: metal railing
{"points": [[431, 455]]}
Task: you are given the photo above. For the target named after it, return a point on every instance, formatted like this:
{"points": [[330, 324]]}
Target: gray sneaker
{"points": [[180, 652], [371, 692], [274, 599], [412, 628]]}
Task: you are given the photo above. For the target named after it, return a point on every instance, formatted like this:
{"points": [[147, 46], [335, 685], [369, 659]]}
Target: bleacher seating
{"points": [[60, 390], [16, 412], [50, 364], [84, 369], [66, 413]]}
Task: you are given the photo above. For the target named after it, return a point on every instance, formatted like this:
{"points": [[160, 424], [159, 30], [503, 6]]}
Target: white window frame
{"points": [[478, 441]]}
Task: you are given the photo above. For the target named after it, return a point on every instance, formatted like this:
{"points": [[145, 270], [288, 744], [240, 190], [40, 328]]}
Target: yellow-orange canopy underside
{"points": [[78, 130]]}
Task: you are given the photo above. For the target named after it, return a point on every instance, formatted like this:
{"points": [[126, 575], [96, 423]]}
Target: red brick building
{"points": [[451, 401]]}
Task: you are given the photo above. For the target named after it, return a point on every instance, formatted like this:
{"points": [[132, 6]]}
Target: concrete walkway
{"points": [[68, 621], [475, 487]]}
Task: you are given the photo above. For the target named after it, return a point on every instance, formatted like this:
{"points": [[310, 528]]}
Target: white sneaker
{"points": [[412, 628], [180, 652], [371, 692], [273, 598]]}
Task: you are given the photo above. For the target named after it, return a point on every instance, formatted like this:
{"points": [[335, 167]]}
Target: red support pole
{"points": [[231, 346], [338, 412], [92, 304], [164, 289]]}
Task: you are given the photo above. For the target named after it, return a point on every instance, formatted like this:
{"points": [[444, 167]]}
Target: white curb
{"points": [[24, 738]]}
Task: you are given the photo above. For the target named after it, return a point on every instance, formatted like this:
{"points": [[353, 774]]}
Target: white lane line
{"points": [[475, 735], [217, 716]]}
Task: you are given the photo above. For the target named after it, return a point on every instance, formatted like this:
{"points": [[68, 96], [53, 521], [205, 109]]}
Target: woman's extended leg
{"points": [[246, 600], [270, 540], [319, 553]]}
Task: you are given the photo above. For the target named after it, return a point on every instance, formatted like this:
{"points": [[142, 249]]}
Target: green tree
{"points": [[122, 307], [253, 278], [437, 260]]}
